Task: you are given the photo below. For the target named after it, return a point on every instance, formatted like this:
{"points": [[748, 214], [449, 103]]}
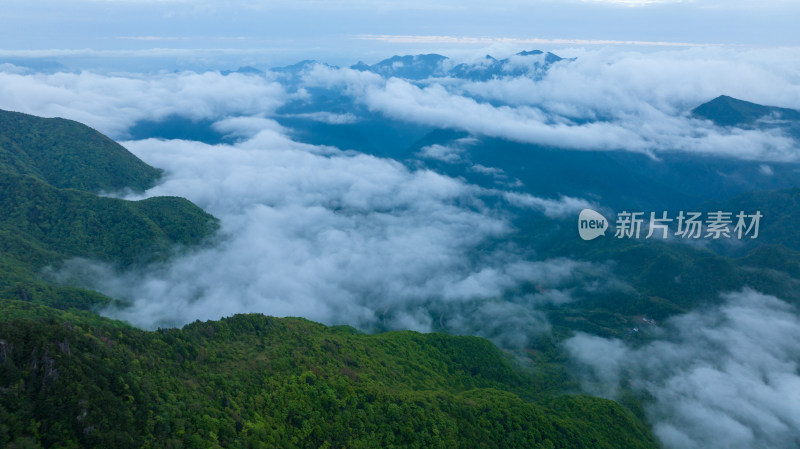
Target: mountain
{"points": [[244, 70], [413, 67], [729, 111], [419, 67], [780, 209], [68, 154], [70, 379], [668, 278], [614, 179], [527, 63], [81, 224], [49, 212], [36, 64], [296, 67], [293, 74]]}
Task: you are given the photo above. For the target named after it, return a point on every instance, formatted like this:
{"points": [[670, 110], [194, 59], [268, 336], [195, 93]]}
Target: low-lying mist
{"points": [[720, 377], [338, 237]]}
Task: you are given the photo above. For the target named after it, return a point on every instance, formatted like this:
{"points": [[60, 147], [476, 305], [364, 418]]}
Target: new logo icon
{"points": [[591, 224]]}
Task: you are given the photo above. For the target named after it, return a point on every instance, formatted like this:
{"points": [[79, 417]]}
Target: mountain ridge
{"points": [[725, 110], [47, 148], [418, 67], [69, 378], [257, 381], [50, 173]]}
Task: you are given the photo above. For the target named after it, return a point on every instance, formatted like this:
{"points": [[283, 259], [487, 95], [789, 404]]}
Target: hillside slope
{"points": [[729, 111], [70, 378], [76, 380], [68, 154], [49, 169]]}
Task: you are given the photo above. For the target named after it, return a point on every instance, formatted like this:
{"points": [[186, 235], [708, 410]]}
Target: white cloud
{"points": [[306, 230], [433, 105], [112, 104], [489, 171], [602, 101], [441, 153], [327, 117], [610, 83], [722, 377], [246, 126], [337, 237], [561, 208]]}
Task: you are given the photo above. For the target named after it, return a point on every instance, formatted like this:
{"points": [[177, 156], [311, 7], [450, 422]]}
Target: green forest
{"points": [[70, 378], [50, 173]]}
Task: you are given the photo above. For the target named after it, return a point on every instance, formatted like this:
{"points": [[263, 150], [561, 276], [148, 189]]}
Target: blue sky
{"points": [[204, 32]]}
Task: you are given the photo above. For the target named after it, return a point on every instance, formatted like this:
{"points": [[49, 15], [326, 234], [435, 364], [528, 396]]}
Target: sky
{"points": [[126, 34]]}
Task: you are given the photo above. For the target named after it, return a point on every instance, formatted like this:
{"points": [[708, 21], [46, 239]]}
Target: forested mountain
{"points": [[70, 378], [68, 154], [74, 380], [49, 213]]}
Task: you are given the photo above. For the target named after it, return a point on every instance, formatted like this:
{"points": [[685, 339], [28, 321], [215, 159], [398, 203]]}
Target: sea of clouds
{"points": [[343, 237]]}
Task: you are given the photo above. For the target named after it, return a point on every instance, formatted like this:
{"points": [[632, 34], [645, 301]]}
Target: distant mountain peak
{"points": [[244, 70], [725, 110], [414, 67], [432, 65], [529, 53], [298, 66], [295, 72]]}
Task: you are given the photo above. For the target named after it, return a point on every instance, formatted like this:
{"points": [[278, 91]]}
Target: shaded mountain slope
{"points": [[48, 213], [729, 111]]}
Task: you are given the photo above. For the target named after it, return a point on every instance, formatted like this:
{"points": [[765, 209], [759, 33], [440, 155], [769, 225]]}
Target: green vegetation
{"points": [[48, 213], [780, 209], [75, 223], [668, 277], [42, 226], [68, 154], [72, 379]]}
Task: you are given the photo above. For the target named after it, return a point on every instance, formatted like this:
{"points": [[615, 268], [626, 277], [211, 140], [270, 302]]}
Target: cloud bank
{"points": [[601, 101], [725, 377], [112, 104], [336, 237]]}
